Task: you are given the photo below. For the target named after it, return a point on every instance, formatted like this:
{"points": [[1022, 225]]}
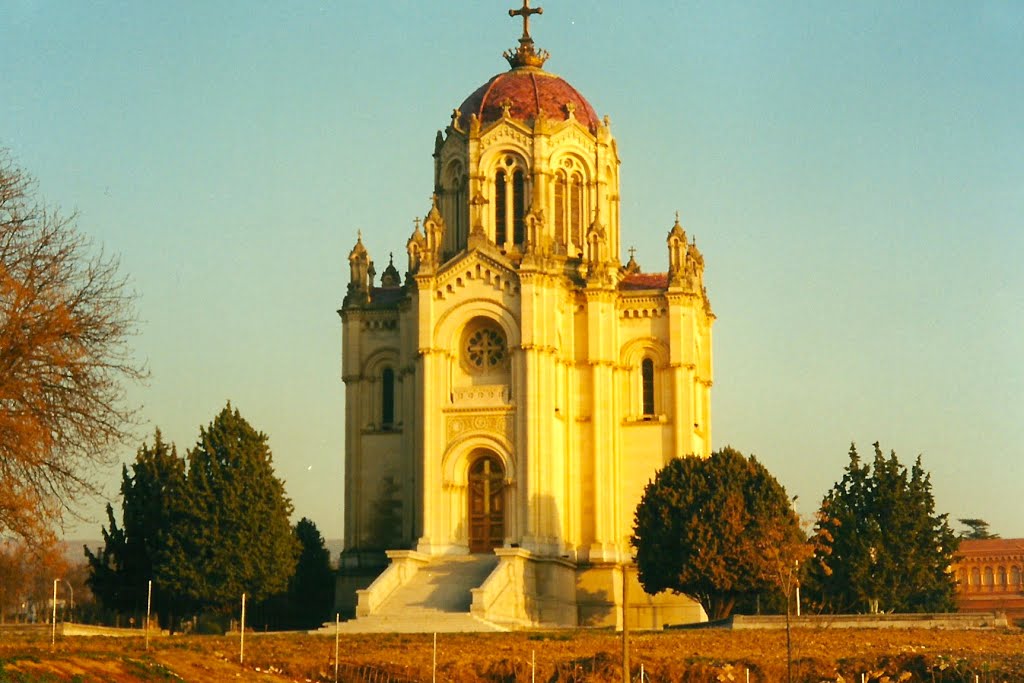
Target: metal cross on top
{"points": [[525, 11]]}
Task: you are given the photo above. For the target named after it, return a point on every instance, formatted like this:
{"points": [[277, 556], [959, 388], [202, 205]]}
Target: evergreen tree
{"points": [[715, 529], [151, 499], [885, 548], [977, 529], [309, 601], [312, 586], [235, 536]]}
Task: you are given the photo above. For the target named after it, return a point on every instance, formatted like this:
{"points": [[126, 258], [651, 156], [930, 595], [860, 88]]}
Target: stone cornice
{"points": [[480, 410], [635, 297], [600, 295], [679, 297], [987, 558]]}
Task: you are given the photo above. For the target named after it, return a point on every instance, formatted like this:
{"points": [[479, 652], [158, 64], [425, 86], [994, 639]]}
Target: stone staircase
{"points": [[436, 600]]}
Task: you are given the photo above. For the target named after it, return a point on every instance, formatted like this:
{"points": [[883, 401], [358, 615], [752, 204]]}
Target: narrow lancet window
{"points": [[576, 209], [560, 209], [647, 379], [518, 207], [387, 411], [499, 208]]}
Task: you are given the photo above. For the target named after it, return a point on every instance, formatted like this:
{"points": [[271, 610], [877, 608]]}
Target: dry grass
{"points": [[691, 656]]}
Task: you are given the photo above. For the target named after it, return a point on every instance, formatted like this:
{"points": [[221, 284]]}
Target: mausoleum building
{"points": [[509, 395]]}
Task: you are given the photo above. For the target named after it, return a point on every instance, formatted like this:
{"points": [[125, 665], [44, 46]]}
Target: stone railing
{"points": [[404, 565], [554, 604], [493, 600]]}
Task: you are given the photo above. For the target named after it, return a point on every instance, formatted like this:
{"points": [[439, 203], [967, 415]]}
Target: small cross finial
{"points": [[632, 252], [525, 11], [677, 216], [416, 222]]}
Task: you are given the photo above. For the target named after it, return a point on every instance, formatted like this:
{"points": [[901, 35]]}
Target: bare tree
{"points": [[66, 316], [27, 570]]}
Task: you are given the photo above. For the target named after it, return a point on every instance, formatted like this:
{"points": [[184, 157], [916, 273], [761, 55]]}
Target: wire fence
{"points": [[350, 673], [586, 671]]}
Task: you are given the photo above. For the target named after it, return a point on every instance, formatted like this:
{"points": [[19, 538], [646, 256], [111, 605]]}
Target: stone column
{"points": [[429, 419], [602, 348]]}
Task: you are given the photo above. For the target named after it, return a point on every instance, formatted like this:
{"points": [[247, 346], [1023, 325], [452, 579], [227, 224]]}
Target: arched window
{"points": [[387, 393], [1015, 576], [560, 208], [454, 204], [975, 576], [988, 576], [510, 188], [518, 207], [570, 204], [500, 212], [1002, 576], [647, 380], [576, 210]]}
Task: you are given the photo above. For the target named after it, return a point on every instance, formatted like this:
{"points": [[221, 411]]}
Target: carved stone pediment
{"points": [[571, 131], [479, 264], [507, 130]]}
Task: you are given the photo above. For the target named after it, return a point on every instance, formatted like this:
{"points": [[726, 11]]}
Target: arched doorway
{"points": [[486, 504]]}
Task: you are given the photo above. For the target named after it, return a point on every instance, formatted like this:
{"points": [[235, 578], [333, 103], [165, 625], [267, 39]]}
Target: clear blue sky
{"points": [[853, 173]]}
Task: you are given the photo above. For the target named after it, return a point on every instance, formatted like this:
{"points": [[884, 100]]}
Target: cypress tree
{"points": [[235, 537], [151, 496], [884, 546]]}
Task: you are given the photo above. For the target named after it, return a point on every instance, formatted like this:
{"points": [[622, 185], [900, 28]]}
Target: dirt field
{"points": [[690, 656]]}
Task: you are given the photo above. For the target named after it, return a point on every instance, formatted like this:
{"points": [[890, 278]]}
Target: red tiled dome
{"points": [[529, 90]]}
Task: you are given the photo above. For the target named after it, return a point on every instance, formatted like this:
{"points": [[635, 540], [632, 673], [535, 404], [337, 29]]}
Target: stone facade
{"points": [[518, 386]]}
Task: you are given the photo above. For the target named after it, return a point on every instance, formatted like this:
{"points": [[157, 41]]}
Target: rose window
{"points": [[485, 349]]}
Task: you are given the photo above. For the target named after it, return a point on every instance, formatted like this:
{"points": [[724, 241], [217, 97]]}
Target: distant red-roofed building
{"points": [[990, 576]]}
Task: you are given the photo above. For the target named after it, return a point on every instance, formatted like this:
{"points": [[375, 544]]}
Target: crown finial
{"points": [[526, 54]]}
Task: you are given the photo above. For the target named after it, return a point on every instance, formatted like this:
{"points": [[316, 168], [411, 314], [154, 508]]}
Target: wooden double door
{"points": [[486, 504]]}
